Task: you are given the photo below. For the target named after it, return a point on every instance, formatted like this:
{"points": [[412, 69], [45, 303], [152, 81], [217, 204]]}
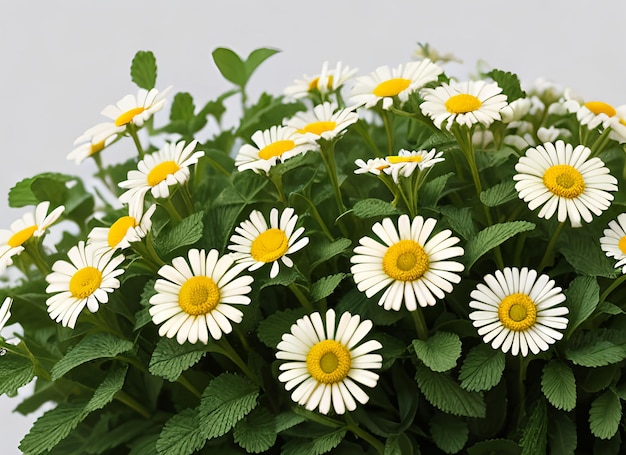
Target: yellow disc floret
{"points": [[198, 295], [118, 230], [128, 116], [391, 87], [517, 312], [276, 149], [405, 261], [564, 181], [329, 362], [20, 237], [269, 245], [318, 127], [161, 171], [463, 103], [598, 107], [85, 282]]}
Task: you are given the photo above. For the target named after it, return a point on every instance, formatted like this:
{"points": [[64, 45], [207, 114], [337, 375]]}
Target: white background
{"points": [[61, 62]]}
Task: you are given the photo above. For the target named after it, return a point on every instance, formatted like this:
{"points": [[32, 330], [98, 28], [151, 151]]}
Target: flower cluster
{"points": [[395, 262]]}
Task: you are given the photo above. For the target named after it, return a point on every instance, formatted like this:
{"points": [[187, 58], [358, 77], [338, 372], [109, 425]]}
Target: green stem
{"points": [[171, 210], [301, 297], [600, 143], [546, 257], [367, 137], [132, 131], [327, 150], [182, 380], [361, 433], [186, 196], [387, 123], [420, 324], [317, 216], [277, 181], [614, 285], [133, 404], [33, 251], [230, 352], [521, 389]]}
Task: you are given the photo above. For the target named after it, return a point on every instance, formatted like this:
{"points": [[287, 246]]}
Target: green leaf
{"points": [[446, 395], [559, 385], [231, 66], [432, 190], [257, 57], [143, 69], [321, 444], [499, 194], [15, 372], [113, 383], [256, 433], [98, 346], [460, 220], [605, 415], [170, 359], [509, 83], [482, 369], [325, 286], [369, 208], [562, 436], [583, 296], [583, 252], [492, 236], [449, 433], [439, 352], [52, 427], [226, 400], [186, 233], [182, 434], [595, 349], [495, 447], [287, 420], [399, 444], [272, 329], [534, 438], [326, 251], [183, 107], [22, 193]]}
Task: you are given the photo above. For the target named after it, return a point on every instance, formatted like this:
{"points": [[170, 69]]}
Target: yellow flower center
{"points": [[198, 295], [564, 181], [118, 230], [128, 116], [20, 237], [161, 171], [405, 159], [329, 362], [598, 107], [318, 127], [96, 147], [392, 87], [85, 282], [313, 84], [276, 149], [517, 312], [269, 245], [622, 244], [405, 261], [463, 103]]}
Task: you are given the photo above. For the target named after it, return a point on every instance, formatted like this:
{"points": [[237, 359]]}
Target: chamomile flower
{"points": [[258, 244], [373, 166], [518, 311], [85, 281], [593, 113], [31, 224], [618, 125], [129, 228], [405, 163], [325, 121], [197, 298], [613, 243], [136, 109], [158, 171], [563, 180], [272, 146], [5, 311], [387, 84], [326, 360], [328, 80], [93, 141], [410, 267], [463, 103]]}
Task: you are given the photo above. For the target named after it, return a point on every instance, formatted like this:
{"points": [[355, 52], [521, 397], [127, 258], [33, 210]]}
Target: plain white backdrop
{"points": [[62, 62]]}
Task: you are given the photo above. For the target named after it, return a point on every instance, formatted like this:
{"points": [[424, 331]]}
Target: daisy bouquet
{"points": [[397, 262]]}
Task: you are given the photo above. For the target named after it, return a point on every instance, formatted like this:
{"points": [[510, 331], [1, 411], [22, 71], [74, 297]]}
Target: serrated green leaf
{"points": [[482, 369], [226, 400], [495, 447], [460, 220], [170, 359], [325, 286], [15, 372], [582, 296], [183, 107], [181, 435], [490, 237], [562, 435], [287, 420], [230, 65], [559, 385], [326, 251], [52, 427], [432, 190], [605, 415], [145, 445], [534, 437], [509, 83], [582, 250], [126, 433], [449, 433], [369, 208], [185, 233], [446, 395], [256, 433], [272, 328], [399, 444], [594, 350], [92, 347], [610, 308], [143, 70], [321, 444], [257, 57], [499, 194], [439, 352], [113, 383]]}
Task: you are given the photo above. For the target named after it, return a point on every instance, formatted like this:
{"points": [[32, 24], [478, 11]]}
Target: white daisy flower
{"points": [[411, 268], [373, 166], [136, 109], [563, 180], [325, 121], [129, 228], [613, 243], [593, 113], [31, 224], [5, 311], [516, 110], [329, 80], [258, 244], [517, 311], [386, 83], [86, 280], [92, 141], [273, 146], [158, 171], [196, 299], [406, 162], [465, 103], [618, 125], [325, 361]]}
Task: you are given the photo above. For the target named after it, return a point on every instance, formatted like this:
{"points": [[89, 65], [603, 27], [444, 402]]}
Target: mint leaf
{"points": [[143, 70], [559, 385], [439, 352], [482, 369]]}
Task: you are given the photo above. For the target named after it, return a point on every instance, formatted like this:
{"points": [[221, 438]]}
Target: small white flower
{"points": [[329, 80], [618, 125], [93, 141], [373, 166], [325, 121], [405, 163], [129, 228], [613, 243], [136, 109]]}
